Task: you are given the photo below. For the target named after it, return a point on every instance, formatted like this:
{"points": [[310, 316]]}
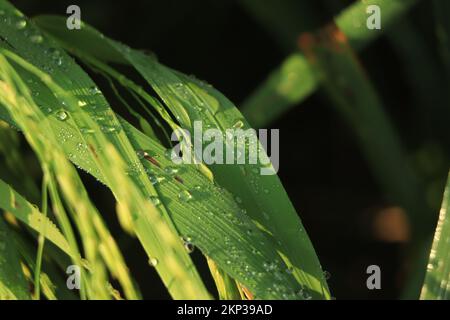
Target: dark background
{"points": [[322, 168]]}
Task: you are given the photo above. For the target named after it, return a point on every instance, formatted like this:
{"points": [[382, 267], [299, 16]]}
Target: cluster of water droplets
{"points": [[235, 246]]}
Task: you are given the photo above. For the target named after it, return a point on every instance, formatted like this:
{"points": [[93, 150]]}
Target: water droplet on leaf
{"points": [[153, 262], [62, 115], [21, 24], [37, 38], [155, 200], [185, 196]]}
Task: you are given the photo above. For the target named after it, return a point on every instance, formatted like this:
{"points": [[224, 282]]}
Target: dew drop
{"points": [[37, 38], [141, 154], [21, 24], [185, 196], [155, 179], [170, 170], [270, 266], [168, 154], [94, 90], [87, 130], [188, 245], [153, 262], [238, 125], [62, 115], [326, 275], [155, 200], [110, 129]]}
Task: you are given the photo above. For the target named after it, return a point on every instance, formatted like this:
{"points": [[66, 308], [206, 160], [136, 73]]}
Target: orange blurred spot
{"points": [[391, 225]]}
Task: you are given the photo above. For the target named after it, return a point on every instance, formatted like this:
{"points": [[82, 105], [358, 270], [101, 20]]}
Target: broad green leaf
{"points": [[190, 100], [437, 279]]}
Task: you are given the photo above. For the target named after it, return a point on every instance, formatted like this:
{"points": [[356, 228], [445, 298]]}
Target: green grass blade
{"points": [[52, 283], [294, 80], [437, 279], [13, 284], [41, 240], [226, 286], [263, 197]]}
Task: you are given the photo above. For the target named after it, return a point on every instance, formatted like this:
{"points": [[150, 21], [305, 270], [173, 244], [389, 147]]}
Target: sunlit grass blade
{"points": [[437, 279], [294, 80], [227, 288]]}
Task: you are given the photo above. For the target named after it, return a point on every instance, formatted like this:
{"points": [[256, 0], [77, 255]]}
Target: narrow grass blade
{"points": [[226, 286], [437, 279]]}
